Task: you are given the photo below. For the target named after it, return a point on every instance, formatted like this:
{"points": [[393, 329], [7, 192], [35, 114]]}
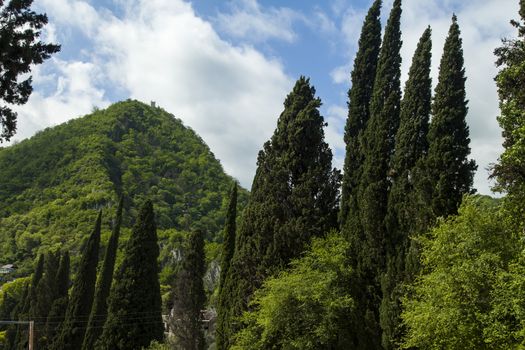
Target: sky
{"points": [[225, 67]]}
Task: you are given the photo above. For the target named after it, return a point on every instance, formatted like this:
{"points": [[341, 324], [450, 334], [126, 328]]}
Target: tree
{"points": [[227, 255], [359, 96], [294, 197], [81, 300], [134, 307], [20, 50], [411, 146], [378, 146], [447, 172], [27, 303], [58, 308], [510, 170], [99, 310], [46, 293], [464, 300], [190, 297], [306, 306]]}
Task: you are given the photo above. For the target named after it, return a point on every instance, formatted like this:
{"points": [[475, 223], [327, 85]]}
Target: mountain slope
{"points": [[53, 184]]}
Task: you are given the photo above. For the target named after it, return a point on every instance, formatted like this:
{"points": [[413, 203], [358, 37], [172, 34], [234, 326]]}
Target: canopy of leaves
{"points": [[305, 307], [470, 295]]}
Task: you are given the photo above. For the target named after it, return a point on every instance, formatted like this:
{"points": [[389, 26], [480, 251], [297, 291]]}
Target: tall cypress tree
{"points": [[510, 170], [447, 173], [411, 146], [58, 308], [46, 293], [99, 310], [28, 303], [74, 326], [294, 197], [134, 306], [378, 146], [227, 255], [190, 297], [359, 95]]}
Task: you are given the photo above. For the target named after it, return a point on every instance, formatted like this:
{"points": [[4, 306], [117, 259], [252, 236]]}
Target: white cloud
{"points": [[161, 50], [73, 94], [251, 22]]}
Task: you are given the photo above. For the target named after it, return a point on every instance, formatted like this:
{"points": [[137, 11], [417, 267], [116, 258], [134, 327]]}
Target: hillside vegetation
{"points": [[54, 183]]}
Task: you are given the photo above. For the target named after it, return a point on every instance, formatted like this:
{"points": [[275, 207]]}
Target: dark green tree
{"points": [[58, 308], [411, 146], [74, 326], [46, 293], [510, 170], [134, 306], [99, 310], [294, 198], [447, 173], [190, 297], [227, 255], [20, 51], [378, 143], [27, 303], [359, 95]]}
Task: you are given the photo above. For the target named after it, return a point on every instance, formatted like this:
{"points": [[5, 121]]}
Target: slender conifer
{"points": [[134, 306], [411, 146], [73, 328], [99, 310]]}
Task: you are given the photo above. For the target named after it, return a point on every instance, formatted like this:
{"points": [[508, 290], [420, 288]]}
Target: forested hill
{"points": [[53, 184]]}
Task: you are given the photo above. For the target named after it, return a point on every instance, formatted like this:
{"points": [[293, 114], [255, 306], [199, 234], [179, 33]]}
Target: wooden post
{"points": [[31, 335]]}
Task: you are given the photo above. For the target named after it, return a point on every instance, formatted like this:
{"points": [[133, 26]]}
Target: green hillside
{"points": [[53, 184]]}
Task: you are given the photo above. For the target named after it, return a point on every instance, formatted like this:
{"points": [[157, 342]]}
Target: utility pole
{"points": [[31, 330]]}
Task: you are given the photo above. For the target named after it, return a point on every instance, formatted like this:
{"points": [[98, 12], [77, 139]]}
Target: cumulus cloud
{"points": [[71, 93], [247, 20]]}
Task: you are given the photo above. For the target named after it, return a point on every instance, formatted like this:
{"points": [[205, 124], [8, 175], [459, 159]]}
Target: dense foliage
{"points": [[54, 183], [99, 310], [294, 198], [21, 49], [189, 297], [228, 249], [411, 147], [134, 307], [72, 330], [305, 307], [447, 173], [378, 147], [470, 294], [359, 96], [510, 170]]}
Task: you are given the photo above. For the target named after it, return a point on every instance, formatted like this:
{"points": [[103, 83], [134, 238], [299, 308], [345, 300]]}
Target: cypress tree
{"points": [[447, 173], [510, 169], [46, 293], [58, 308], [190, 297], [411, 146], [28, 302], [378, 146], [294, 197], [100, 309], [134, 306], [228, 250], [73, 328], [359, 95]]}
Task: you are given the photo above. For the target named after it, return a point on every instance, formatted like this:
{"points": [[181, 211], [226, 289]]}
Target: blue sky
{"points": [[225, 67]]}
